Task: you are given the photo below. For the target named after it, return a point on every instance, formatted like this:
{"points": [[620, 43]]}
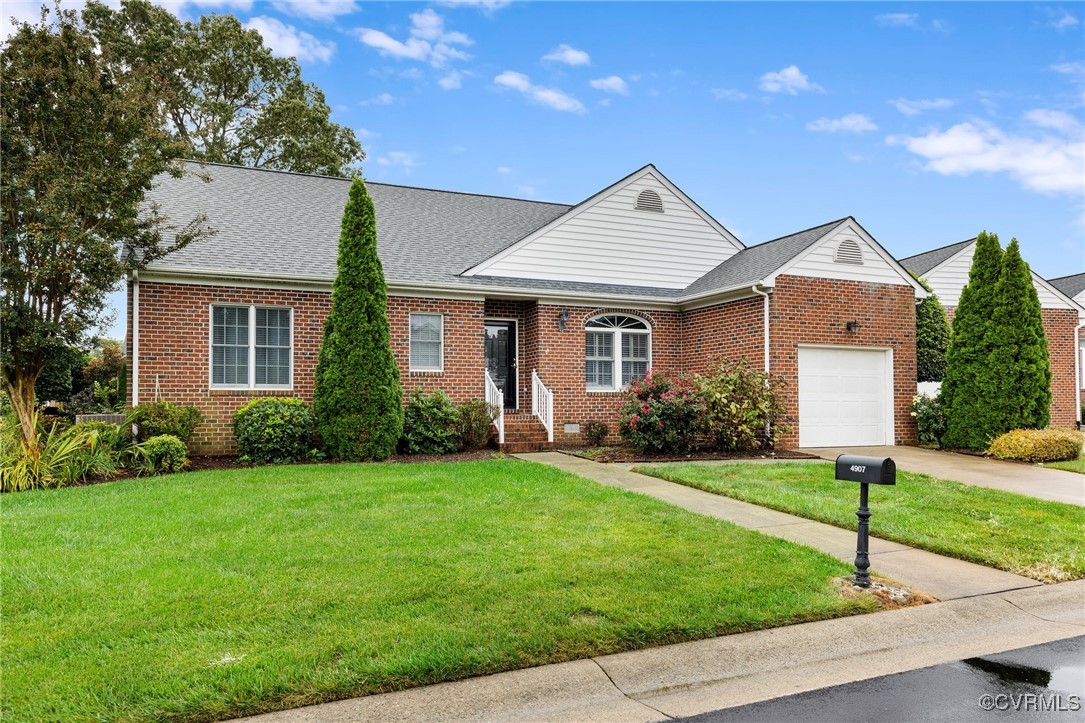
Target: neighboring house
{"points": [[1074, 287], [946, 271], [555, 304]]}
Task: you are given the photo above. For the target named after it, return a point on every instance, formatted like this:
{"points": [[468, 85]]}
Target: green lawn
{"points": [[1039, 539], [212, 594], [1074, 465]]}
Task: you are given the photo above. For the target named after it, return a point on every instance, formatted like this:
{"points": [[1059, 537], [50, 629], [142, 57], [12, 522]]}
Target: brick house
{"points": [[1074, 288], [550, 308], [946, 269]]}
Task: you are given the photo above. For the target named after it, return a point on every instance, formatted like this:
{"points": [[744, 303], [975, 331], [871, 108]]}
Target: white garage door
{"points": [[843, 397]]}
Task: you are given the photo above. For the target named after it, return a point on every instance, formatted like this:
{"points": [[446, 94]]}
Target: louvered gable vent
{"points": [[848, 252], [649, 200]]}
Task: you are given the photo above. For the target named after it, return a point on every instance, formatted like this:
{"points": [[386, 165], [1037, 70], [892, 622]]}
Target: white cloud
{"points": [[730, 94], [550, 97], [365, 133], [610, 84], [569, 55], [485, 5], [790, 80], [851, 123], [429, 41], [1054, 119], [399, 159], [316, 9], [452, 81], [916, 107], [1046, 163], [906, 20], [286, 40], [382, 99], [1074, 69], [1062, 19], [504, 170], [940, 26]]}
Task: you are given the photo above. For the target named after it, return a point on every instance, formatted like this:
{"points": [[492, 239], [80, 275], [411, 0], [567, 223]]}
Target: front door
{"points": [[501, 357]]}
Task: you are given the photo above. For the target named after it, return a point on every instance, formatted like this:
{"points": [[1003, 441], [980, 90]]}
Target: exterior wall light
{"points": [[853, 326], [563, 319]]}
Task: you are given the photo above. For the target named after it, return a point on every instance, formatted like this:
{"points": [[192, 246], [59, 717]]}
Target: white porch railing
{"points": [[542, 404], [496, 399]]}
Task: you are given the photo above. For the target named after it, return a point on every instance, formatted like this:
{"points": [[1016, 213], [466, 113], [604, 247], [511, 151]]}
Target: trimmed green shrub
{"points": [[164, 453], [429, 424], [473, 424], [931, 338], [1021, 396], [154, 419], [930, 420], [274, 430], [742, 407], [595, 432], [358, 401], [969, 381], [1038, 445], [661, 413]]}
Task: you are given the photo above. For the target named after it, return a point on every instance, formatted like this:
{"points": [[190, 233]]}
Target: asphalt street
{"points": [[1042, 682]]}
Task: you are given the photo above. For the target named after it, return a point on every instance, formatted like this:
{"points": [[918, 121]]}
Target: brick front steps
{"points": [[524, 433]]}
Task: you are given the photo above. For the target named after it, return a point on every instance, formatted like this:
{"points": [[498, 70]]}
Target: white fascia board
{"points": [[1074, 305], [723, 296], [854, 226], [610, 190]]}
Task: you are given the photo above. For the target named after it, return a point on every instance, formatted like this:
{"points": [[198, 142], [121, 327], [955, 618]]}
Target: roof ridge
{"points": [[796, 233], [374, 183], [1067, 276], [939, 248]]}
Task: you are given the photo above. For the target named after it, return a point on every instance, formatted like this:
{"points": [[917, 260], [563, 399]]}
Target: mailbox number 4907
{"points": [[860, 468]]}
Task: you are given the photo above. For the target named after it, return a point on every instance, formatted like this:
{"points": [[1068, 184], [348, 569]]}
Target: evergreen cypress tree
{"points": [[968, 384], [1022, 389], [358, 401], [931, 337]]}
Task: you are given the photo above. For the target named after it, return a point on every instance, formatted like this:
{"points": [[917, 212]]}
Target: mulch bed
{"points": [[627, 454]]}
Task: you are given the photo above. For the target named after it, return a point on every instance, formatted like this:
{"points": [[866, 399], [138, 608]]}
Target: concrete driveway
{"points": [[1026, 479]]}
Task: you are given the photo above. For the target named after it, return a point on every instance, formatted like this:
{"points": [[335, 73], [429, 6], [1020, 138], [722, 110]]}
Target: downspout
{"points": [[135, 338], [765, 324], [1077, 371]]}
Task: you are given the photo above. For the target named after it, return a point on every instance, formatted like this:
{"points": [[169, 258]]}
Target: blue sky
{"points": [[928, 122]]}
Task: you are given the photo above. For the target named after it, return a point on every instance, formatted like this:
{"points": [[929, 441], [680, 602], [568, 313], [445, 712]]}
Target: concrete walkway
{"points": [[1042, 482], [706, 675], [945, 578]]}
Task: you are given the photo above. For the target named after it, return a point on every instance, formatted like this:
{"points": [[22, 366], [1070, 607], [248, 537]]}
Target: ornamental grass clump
{"points": [[662, 413]]}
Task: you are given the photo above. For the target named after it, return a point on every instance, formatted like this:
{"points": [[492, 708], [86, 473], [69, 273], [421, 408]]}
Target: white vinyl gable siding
{"points": [[821, 261], [951, 276], [611, 241]]}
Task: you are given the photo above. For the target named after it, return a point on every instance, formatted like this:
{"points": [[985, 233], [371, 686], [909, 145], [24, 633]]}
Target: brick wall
{"points": [[815, 311], [174, 356]]}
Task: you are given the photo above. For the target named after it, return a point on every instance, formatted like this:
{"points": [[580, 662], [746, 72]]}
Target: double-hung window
{"points": [[618, 350], [427, 342], [251, 347]]}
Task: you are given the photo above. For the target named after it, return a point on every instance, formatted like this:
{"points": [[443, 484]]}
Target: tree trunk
{"points": [[19, 385]]}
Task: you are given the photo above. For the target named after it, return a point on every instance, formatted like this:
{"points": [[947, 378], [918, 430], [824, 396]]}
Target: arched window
{"points": [[649, 200], [618, 349]]}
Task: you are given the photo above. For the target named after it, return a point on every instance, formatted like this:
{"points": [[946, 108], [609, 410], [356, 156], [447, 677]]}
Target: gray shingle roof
{"points": [[1069, 285], [924, 262], [754, 263], [287, 223]]}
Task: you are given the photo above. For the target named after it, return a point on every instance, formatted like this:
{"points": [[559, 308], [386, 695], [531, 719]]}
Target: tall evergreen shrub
{"points": [[357, 400], [931, 337], [1022, 382], [969, 384]]}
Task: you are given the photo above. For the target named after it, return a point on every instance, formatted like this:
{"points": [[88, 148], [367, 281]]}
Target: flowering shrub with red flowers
{"points": [[662, 413]]}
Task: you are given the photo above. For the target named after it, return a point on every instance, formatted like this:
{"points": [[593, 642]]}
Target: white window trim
{"points": [[441, 365], [616, 342], [252, 385]]}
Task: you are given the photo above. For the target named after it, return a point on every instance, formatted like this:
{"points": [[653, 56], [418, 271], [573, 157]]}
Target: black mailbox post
{"points": [[866, 471]]}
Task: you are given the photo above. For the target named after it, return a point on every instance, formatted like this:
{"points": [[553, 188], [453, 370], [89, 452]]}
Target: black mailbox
{"points": [[872, 470]]}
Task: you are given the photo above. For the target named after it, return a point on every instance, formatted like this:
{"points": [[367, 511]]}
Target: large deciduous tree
{"points": [[358, 400], [81, 144], [969, 383], [1021, 397], [227, 98]]}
